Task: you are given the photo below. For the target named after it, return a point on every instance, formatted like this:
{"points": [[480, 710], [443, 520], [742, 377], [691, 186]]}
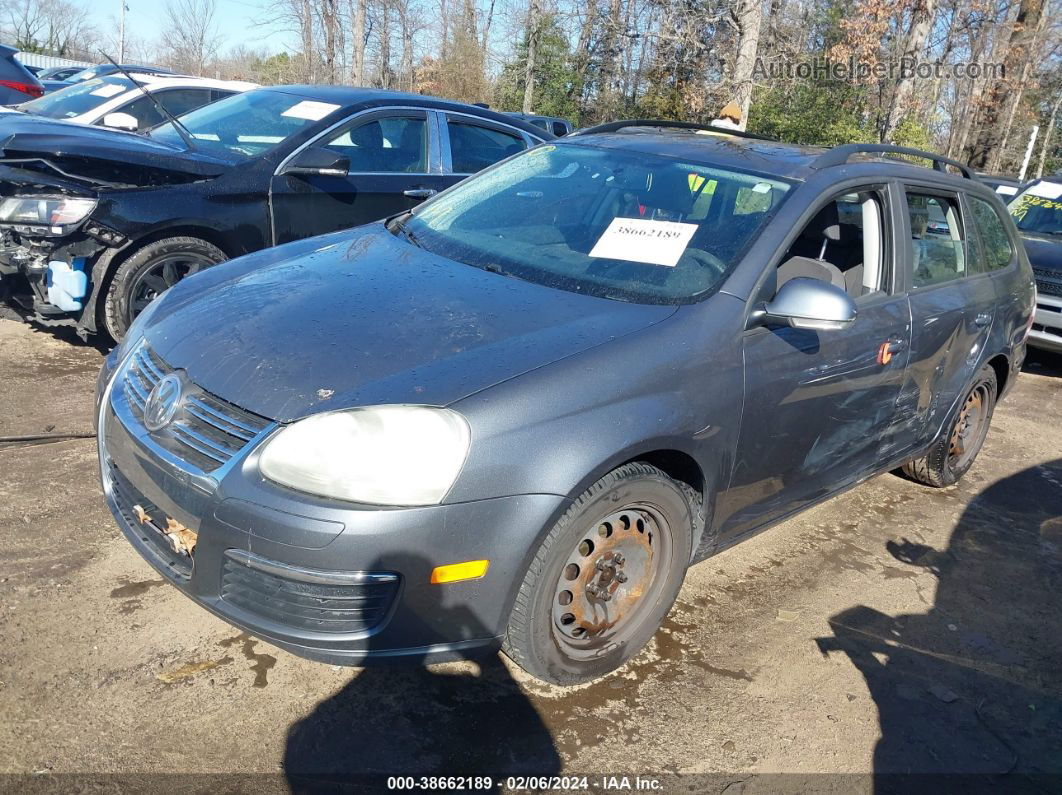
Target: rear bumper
{"points": [[1046, 332], [263, 568]]}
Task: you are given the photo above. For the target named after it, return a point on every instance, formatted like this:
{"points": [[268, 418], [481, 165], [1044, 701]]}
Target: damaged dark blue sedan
{"points": [[513, 417]]}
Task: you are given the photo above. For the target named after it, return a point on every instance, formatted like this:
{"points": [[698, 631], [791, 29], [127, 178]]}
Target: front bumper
{"points": [[1046, 332], [322, 579]]}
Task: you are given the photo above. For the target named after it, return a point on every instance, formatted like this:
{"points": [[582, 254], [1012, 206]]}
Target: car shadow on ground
{"points": [[68, 334], [973, 685], [1043, 363], [415, 720]]}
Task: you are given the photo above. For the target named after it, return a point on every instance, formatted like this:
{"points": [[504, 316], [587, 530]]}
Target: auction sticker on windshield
{"points": [[1046, 190], [108, 90], [308, 109], [645, 241]]}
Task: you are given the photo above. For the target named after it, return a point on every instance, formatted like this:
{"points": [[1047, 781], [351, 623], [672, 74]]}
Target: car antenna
{"points": [[180, 128]]}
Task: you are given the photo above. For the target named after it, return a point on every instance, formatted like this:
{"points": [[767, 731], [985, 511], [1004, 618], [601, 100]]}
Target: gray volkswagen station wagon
{"points": [[512, 417]]}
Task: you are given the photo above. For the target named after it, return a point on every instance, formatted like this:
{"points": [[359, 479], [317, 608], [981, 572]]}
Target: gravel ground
{"points": [[893, 629]]}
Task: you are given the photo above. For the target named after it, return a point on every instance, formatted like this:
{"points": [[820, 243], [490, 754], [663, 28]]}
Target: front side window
{"points": [[622, 225], [936, 243], [66, 103], [843, 244], [1038, 209], [994, 251], [248, 124], [473, 148], [392, 144]]}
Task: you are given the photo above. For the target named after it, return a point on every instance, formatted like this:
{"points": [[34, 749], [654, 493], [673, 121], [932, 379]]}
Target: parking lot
{"points": [[894, 629]]}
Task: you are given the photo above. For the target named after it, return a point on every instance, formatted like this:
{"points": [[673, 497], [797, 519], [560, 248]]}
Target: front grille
{"points": [[126, 495], [308, 603], [1048, 282], [206, 432]]}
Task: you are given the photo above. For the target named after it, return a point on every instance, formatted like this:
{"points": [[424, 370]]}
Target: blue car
{"points": [[514, 416]]}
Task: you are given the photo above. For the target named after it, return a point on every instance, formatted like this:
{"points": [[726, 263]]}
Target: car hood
{"points": [[131, 158], [1045, 251], [362, 318]]}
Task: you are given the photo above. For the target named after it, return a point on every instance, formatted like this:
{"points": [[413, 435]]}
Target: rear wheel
{"points": [[954, 453], [605, 576], [148, 273]]}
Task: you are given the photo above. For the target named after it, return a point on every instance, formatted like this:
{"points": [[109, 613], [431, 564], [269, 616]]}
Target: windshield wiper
{"points": [[399, 223], [177, 126]]}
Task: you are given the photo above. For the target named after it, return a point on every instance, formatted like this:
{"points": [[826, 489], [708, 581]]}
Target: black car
{"points": [[95, 223], [1037, 211], [554, 124]]}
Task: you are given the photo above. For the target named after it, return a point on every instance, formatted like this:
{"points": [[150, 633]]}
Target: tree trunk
{"points": [[532, 50], [749, 20], [1048, 133], [357, 60], [997, 112], [921, 20], [306, 29], [406, 25], [385, 44]]}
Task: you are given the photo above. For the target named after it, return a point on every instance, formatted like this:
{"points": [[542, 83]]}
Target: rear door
{"points": [[952, 308], [394, 165], [471, 143]]}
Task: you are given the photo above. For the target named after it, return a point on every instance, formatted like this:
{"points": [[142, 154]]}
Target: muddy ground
{"points": [[894, 629]]}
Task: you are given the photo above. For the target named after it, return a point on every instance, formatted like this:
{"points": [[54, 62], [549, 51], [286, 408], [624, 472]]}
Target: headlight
{"points": [[385, 455], [56, 213]]}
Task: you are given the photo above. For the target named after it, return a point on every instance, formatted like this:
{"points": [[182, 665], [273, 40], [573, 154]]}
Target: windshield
{"points": [[623, 225], [78, 98], [1039, 209], [247, 124], [91, 72]]}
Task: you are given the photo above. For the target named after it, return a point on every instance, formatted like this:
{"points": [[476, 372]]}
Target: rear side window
{"points": [[473, 148], [995, 251], [936, 243]]}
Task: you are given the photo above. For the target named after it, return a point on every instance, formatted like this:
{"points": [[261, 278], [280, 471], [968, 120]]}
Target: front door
{"points": [[393, 167], [819, 405]]}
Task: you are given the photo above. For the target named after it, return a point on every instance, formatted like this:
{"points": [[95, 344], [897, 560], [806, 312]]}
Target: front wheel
{"points": [[605, 576], [148, 273], [953, 454]]}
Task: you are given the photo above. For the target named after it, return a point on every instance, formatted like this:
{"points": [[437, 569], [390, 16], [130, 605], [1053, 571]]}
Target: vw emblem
{"points": [[163, 402]]}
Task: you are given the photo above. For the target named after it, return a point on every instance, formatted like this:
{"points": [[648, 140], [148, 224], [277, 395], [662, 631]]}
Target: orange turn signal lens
{"points": [[455, 572]]}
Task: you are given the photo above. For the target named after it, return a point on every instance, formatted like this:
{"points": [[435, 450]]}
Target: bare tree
{"points": [[749, 20], [534, 15], [922, 13], [357, 60], [192, 40]]}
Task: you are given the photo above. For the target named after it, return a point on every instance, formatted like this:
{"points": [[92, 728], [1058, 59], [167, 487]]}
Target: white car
{"points": [[116, 101]]}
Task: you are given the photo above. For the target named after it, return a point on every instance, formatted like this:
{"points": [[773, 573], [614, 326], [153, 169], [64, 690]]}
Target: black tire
{"points": [[652, 548], [134, 284], [953, 454]]}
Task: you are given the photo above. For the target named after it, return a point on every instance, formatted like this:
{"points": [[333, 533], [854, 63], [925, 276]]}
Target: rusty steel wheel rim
{"points": [[611, 580], [969, 427]]}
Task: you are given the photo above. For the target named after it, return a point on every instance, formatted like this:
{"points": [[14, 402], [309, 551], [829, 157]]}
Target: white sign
{"points": [[649, 242], [1046, 190], [307, 109], [108, 90]]}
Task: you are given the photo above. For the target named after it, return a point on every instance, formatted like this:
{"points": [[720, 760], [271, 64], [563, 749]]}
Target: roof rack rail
{"points": [[839, 155], [613, 126]]}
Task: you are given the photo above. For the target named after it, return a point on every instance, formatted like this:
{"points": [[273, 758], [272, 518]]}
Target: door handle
{"points": [[419, 193], [982, 319]]}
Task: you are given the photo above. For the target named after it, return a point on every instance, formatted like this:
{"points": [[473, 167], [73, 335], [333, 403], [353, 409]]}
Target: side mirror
{"points": [[121, 121], [316, 160], [808, 304]]}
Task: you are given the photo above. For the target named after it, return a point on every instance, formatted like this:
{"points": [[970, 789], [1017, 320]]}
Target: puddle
{"points": [[189, 670], [261, 662], [129, 589]]}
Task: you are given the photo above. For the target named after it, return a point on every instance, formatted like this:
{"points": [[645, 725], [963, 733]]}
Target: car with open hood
{"points": [[1037, 211], [514, 415], [94, 224]]}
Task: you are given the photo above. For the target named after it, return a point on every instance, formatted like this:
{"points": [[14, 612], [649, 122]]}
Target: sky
{"points": [[144, 20]]}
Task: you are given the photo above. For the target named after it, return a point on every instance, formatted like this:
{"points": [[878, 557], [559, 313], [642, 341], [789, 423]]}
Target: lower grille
{"points": [[126, 495], [304, 599], [1048, 282]]}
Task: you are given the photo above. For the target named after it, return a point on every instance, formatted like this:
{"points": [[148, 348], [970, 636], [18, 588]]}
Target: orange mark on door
{"points": [[884, 354]]}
